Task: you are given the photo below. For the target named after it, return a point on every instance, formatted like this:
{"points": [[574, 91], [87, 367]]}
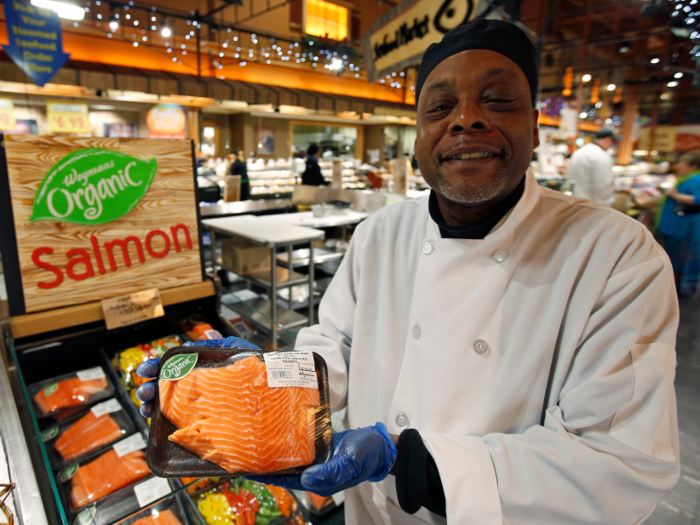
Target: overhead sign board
{"points": [[96, 218], [35, 40], [399, 38]]}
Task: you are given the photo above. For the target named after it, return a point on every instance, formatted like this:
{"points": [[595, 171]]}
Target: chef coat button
{"points": [[481, 346], [427, 248], [402, 421], [500, 256], [416, 332]]}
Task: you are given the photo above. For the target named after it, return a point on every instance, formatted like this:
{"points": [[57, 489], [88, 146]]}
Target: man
{"points": [[505, 352], [238, 167], [312, 176], [591, 172]]}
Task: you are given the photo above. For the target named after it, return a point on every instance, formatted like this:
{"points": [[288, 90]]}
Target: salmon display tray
{"points": [[103, 476], [83, 436], [234, 412], [115, 507], [70, 392]]}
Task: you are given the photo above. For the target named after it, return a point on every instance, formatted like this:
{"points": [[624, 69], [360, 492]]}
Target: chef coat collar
{"points": [[482, 228], [510, 220]]}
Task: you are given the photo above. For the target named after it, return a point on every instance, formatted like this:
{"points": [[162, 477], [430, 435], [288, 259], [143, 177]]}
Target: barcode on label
{"points": [[281, 374]]}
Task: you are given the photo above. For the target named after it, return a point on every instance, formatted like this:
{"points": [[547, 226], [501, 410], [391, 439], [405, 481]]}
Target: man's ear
{"points": [[535, 129]]}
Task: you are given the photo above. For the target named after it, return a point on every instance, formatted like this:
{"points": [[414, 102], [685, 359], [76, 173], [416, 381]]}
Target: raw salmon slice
{"points": [[229, 416], [69, 393], [165, 517], [105, 475], [86, 434]]}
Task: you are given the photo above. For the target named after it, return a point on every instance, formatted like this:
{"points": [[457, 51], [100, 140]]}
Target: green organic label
{"points": [[50, 389], [49, 433], [178, 367], [92, 186], [67, 473], [86, 517]]}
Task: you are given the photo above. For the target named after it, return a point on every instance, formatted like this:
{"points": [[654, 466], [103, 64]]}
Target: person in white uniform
{"points": [[505, 352], [590, 170]]}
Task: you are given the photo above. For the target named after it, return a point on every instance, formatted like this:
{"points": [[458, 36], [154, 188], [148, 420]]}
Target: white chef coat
{"points": [[591, 172], [537, 363]]}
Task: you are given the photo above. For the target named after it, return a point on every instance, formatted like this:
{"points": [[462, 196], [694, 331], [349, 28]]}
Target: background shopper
{"points": [[238, 167], [680, 224], [591, 169], [312, 176]]}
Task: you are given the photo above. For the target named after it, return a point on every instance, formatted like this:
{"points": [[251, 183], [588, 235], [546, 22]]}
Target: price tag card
{"points": [[130, 444], [291, 369], [133, 308], [67, 117], [338, 498], [109, 406], [91, 374], [151, 490], [7, 114]]}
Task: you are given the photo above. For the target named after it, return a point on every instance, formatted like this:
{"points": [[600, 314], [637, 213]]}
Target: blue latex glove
{"points": [[149, 369], [364, 454]]}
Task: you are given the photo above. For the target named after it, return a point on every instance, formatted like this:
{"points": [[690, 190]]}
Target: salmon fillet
{"points": [[165, 517], [105, 475], [86, 434], [229, 416], [70, 392]]}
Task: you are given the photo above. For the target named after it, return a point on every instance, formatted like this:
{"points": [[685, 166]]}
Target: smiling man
{"points": [[505, 352]]}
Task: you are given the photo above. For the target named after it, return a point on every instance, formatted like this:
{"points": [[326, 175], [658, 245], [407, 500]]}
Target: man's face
{"points": [[476, 127]]}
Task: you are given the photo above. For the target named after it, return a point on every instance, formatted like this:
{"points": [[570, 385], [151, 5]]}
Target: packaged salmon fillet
{"points": [[121, 465], [81, 436], [127, 360], [70, 392], [113, 509], [231, 412]]}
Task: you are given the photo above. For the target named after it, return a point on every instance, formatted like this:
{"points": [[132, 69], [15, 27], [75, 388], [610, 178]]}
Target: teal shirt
{"points": [[686, 226]]}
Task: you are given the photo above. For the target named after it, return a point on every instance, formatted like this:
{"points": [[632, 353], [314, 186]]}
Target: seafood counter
{"points": [[83, 425]]}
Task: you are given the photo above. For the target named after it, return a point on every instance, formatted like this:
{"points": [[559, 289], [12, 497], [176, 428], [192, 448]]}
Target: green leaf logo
{"points": [[67, 473], [93, 186], [86, 517], [49, 433], [178, 367], [50, 389]]}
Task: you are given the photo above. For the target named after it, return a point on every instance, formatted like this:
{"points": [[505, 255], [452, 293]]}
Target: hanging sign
{"points": [[66, 117], [166, 121], [400, 37], [35, 40], [7, 114], [91, 223]]}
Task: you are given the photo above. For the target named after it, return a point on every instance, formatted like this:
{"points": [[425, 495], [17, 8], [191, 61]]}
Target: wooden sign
{"points": [[132, 308], [96, 218], [400, 36]]}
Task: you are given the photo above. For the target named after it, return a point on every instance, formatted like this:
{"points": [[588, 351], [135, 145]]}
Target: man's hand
{"points": [[149, 369], [364, 454]]}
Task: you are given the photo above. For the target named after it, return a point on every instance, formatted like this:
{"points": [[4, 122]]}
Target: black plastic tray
{"points": [[169, 460], [57, 461]]}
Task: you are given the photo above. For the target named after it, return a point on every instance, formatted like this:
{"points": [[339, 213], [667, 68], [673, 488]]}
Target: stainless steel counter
{"points": [[29, 508], [243, 207]]}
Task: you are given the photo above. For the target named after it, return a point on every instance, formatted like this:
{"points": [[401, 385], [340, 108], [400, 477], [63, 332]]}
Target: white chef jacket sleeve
{"points": [[607, 449], [604, 177], [331, 338]]}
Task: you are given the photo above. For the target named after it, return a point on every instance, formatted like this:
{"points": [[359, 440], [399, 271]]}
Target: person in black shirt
{"points": [[238, 167], [312, 174]]}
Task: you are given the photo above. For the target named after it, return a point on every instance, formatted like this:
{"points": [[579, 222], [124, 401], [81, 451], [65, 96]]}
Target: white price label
{"points": [[130, 444], [291, 369], [109, 406], [91, 374], [338, 498], [151, 490]]}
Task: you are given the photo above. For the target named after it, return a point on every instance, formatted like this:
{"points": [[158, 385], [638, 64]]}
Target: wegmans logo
{"points": [[93, 186]]}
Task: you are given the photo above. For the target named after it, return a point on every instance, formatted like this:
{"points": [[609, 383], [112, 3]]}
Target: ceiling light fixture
{"points": [[611, 87], [62, 9], [585, 78]]}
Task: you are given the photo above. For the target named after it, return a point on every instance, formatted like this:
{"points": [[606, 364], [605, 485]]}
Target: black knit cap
{"points": [[493, 35]]}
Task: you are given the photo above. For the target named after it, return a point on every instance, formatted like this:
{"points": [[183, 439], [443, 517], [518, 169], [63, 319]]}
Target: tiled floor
{"points": [[681, 506]]}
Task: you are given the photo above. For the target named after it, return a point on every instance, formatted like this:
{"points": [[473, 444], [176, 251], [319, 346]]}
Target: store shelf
{"points": [[263, 278], [301, 257], [258, 310]]}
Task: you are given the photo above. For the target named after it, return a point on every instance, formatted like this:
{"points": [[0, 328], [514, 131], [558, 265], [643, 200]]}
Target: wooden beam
{"points": [[50, 320]]}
